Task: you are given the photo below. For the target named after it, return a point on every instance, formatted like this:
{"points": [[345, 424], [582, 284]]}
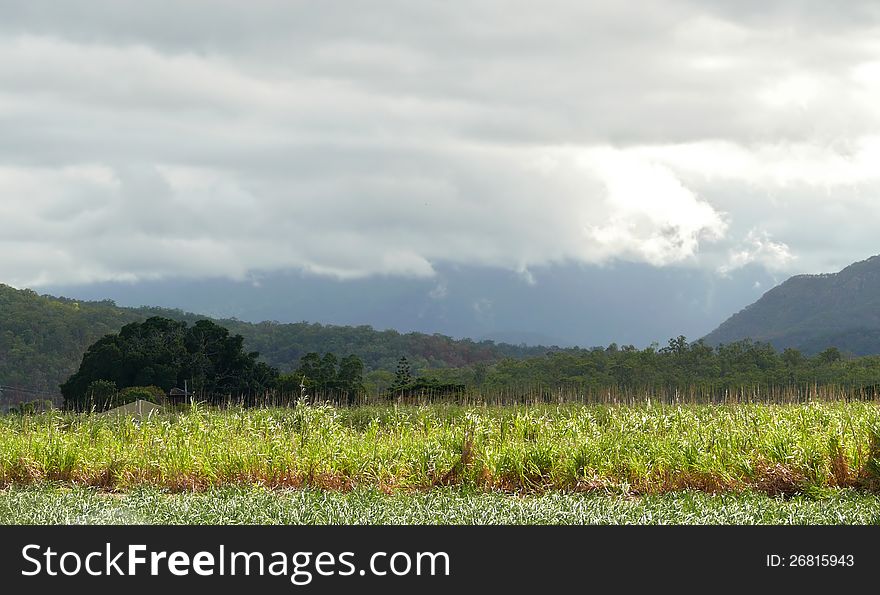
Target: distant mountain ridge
{"points": [[814, 312], [43, 338]]}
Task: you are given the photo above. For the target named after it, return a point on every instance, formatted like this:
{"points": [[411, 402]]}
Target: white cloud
{"points": [[232, 140], [439, 291], [758, 247], [483, 310], [653, 216], [527, 276]]}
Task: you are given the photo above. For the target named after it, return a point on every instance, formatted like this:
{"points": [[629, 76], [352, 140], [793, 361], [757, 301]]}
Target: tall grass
{"points": [[639, 449]]}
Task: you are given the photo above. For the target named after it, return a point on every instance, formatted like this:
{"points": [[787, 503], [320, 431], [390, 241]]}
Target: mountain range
{"points": [[813, 312], [43, 338]]}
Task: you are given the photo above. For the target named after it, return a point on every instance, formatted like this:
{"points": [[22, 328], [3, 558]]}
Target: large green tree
{"points": [[43, 339], [167, 353]]}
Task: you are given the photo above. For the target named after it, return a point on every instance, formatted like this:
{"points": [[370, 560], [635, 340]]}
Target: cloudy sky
{"points": [[354, 144]]}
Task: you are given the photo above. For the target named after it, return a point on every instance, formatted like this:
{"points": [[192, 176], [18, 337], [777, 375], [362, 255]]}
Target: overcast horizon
{"points": [[584, 172]]}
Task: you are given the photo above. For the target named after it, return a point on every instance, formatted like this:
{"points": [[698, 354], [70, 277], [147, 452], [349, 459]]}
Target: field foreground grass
{"points": [[625, 450], [55, 505]]}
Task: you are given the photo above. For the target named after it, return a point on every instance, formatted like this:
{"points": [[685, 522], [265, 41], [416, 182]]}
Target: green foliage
{"points": [[434, 386], [350, 376], [813, 312], [99, 395], [792, 358], [644, 449], [32, 407], [43, 340], [326, 376], [830, 355], [378, 382], [680, 367], [404, 384], [154, 394], [165, 353], [872, 466], [402, 377]]}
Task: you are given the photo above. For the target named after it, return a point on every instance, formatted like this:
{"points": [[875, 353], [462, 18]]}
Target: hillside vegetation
{"points": [[43, 339], [813, 312]]}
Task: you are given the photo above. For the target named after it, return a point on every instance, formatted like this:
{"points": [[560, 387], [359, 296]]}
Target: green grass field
{"points": [[634, 450], [248, 505]]}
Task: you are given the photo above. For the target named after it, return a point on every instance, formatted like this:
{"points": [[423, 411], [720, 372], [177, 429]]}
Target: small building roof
{"points": [[136, 409]]}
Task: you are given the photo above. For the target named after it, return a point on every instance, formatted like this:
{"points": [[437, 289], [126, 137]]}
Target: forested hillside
{"points": [[42, 341], [814, 312], [43, 338]]}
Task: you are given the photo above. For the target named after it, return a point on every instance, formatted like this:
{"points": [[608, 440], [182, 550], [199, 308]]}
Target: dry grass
{"points": [[772, 479]]}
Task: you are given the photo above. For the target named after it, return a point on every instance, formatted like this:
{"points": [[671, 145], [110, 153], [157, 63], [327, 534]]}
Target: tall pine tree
{"points": [[402, 378]]}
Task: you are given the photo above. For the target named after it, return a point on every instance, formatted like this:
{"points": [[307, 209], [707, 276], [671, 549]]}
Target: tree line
{"points": [[149, 359], [43, 340], [153, 359], [678, 365]]}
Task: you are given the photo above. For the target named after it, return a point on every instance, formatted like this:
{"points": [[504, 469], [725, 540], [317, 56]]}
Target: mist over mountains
{"points": [[565, 305]]}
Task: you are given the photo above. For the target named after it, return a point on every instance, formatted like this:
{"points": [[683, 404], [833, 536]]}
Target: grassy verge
{"points": [[774, 449], [60, 505]]}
